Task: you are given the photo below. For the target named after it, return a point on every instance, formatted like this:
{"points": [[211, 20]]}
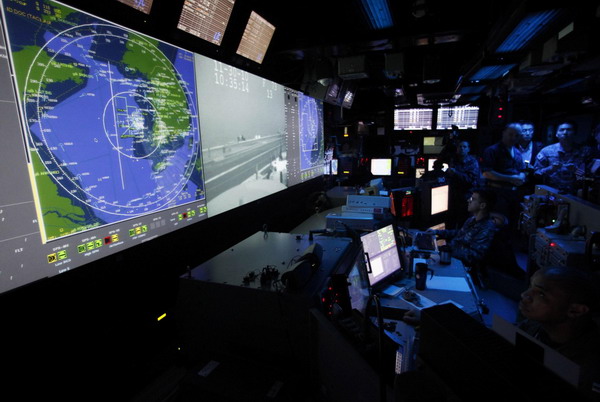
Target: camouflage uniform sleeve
{"points": [[474, 249], [470, 174]]}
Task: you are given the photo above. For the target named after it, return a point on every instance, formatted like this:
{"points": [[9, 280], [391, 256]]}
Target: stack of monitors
{"points": [[112, 138]]}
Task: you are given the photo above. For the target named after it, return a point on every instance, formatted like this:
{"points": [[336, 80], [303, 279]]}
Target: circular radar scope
{"points": [[310, 135], [112, 120]]}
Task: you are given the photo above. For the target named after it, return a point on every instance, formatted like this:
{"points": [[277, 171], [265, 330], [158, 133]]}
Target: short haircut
{"points": [[569, 122], [580, 285], [516, 126], [487, 196]]}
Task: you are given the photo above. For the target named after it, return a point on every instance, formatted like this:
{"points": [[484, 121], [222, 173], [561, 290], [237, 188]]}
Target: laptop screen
{"points": [[382, 254]]}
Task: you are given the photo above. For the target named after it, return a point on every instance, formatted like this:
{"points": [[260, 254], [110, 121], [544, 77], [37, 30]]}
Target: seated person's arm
{"points": [[475, 249], [444, 234]]}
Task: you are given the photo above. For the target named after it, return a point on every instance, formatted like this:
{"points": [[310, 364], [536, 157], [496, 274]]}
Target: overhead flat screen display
{"points": [[141, 5], [100, 140], [463, 117], [206, 19], [413, 119], [256, 38], [332, 95]]}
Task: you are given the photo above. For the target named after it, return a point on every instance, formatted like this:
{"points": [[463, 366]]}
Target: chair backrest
{"points": [[497, 253], [499, 219]]}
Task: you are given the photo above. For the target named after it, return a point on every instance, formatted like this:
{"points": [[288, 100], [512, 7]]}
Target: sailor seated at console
{"points": [[471, 242]]}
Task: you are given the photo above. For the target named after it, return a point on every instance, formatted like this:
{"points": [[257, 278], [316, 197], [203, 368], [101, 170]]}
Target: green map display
{"points": [[110, 115]]}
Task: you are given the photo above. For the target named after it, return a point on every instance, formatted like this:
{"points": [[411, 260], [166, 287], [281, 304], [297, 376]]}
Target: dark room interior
{"points": [[139, 301]]}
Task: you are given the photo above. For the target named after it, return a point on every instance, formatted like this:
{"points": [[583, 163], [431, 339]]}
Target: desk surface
{"points": [[270, 249], [451, 284]]}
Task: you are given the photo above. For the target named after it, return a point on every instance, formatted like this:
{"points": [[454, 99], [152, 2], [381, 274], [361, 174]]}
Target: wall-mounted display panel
{"points": [[256, 38], [144, 6], [206, 19]]}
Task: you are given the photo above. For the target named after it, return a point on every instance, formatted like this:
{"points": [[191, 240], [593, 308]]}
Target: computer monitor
{"points": [[463, 117], [205, 21], [98, 158], [381, 167], [402, 202], [433, 145], [256, 38], [347, 93], [381, 253], [333, 91], [413, 119], [159, 149], [331, 167], [141, 5], [439, 199], [431, 161]]}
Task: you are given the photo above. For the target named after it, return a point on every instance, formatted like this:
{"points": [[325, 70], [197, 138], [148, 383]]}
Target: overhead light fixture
{"points": [[378, 13], [526, 30], [491, 72]]}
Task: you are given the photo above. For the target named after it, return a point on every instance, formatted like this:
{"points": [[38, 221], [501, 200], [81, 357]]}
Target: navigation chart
{"points": [[110, 115]]}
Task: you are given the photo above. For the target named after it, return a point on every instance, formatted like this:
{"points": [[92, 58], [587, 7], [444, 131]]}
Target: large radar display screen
{"points": [[304, 123], [311, 132], [110, 118]]}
